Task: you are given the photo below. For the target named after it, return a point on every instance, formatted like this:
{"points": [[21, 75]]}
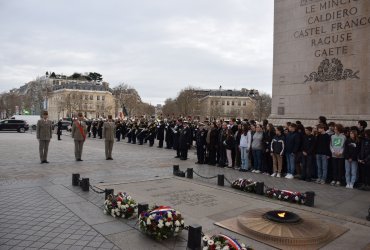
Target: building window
{"points": [[239, 103], [91, 97], [103, 98], [98, 97], [228, 103], [232, 103], [223, 102], [244, 103], [211, 102], [86, 97]]}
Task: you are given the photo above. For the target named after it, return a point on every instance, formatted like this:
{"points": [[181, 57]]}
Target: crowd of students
{"points": [[326, 153]]}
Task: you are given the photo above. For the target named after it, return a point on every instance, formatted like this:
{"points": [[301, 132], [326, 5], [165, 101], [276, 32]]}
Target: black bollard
{"points": [[260, 188], [189, 173], [108, 192], [142, 207], [310, 198], [180, 174], [195, 237], [176, 169], [368, 217], [85, 184], [220, 180], [75, 179]]}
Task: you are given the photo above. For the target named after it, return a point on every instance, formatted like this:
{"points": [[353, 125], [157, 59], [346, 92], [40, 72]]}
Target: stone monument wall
{"points": [[321, 60]]}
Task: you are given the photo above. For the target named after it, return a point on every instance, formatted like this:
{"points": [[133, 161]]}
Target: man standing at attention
{"points": [[109, 131], [79, 131], [44, 134]]}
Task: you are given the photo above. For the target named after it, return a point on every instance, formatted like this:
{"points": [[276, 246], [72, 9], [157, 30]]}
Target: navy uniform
{"points": [[201, 142], [160, 134], [59, 129], [185, 140]]}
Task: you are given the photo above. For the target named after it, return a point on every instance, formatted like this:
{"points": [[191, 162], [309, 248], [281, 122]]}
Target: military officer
{"points": [[44, 133], [79, 131], [109, 131], [201, 143]]}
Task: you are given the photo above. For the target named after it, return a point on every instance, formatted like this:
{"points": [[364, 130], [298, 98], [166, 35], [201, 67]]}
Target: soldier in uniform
{"points": [[44, 133], [160, 134], [79, 130], [118, 130], [201, 143], [100, 129], [176, 137], [151, 134], [109, 131], [169, 134], [185, 140], [94, 128], [59, 129]]}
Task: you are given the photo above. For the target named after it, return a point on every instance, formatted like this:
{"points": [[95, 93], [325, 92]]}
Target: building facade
{"points": [[321, 61], [67, 97], [226, 104]]}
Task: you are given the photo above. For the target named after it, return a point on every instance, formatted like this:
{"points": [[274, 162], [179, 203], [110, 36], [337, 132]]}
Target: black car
{"points": [[20, 126]]}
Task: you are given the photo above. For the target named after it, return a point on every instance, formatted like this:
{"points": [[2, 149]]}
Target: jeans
{"points": [[290, 160], [244, 158], [351, 171], [257, 158], [322, 167]]}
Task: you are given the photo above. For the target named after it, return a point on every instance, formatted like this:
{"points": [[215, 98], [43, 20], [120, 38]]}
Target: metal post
{"points": [[189, 173], [85, 184], [108, 192], [180, 174], [310, 198], [142, 207], [176, 169], [260, 186], [75, 179], [368, 217], [220, 180], [195, 237]]}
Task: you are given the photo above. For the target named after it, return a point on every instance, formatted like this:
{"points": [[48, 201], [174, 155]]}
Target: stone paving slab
{"points": [[206, 204]]}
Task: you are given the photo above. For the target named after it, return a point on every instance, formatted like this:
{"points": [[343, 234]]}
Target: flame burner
{"points": [[281, 216]]}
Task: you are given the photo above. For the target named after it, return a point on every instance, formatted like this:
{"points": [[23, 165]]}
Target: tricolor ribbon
{"points": [[233, 244]]}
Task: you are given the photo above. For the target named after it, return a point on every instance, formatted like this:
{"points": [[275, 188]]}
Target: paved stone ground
{"points": [[40, 209]]}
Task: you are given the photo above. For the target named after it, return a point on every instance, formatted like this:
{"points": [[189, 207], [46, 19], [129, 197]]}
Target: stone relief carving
{"points": [[331, 71]]}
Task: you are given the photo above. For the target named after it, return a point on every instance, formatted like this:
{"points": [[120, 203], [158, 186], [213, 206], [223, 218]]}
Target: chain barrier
{"points": [[204, 177], [93, 188], [227, 180]]}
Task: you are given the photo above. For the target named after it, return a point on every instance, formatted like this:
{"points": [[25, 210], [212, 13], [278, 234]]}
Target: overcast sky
{"points": [[157, 46]]}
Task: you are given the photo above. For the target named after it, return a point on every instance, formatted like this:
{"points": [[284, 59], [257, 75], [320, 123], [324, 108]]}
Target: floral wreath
{"points": [[285, 195], [223, 242], [244, 185], [161, 222], [120, 205]]}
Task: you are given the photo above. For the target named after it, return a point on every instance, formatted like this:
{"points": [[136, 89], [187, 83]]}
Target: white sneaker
{"points": [[351, 186], [332, 183], [278, 175], [253, 171], [287, 176], [258, 172], [347, 186], [273, 175], [290, 176]]}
